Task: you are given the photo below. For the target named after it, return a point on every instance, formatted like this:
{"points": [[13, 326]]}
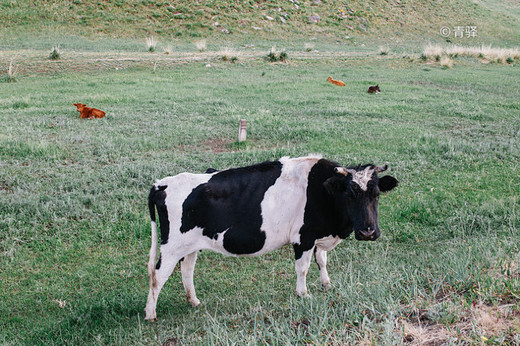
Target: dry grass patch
{"points": [[485, 53], [446, 62], [478, 324], [421, 334], [168, 50], [151, 44], [12, 71], [55, 53], [308, 47], [201, 45], [229, 54], [433, 52], [384, 50]]}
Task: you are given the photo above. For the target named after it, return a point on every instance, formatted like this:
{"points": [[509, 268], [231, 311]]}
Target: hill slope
{"points": [[496, 21]]}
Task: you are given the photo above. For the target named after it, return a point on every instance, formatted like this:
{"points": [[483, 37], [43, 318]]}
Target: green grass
{"points": [[74, 223]]}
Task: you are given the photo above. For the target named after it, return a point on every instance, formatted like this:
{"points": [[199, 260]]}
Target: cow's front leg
{"points": [[321, 259], [187, 269], [302, 267]]}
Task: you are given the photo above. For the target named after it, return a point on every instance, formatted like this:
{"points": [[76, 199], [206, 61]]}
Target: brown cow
{"points": [[335, 82], [87, 112]]}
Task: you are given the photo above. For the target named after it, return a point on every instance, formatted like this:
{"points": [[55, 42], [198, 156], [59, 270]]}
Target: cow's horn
{"points": [[341, 170], [379, 169]]}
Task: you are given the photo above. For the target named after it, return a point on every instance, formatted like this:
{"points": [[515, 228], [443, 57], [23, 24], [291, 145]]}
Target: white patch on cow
{"points": [[362, 177], [328, 243], [284, 203], [179, 188]]}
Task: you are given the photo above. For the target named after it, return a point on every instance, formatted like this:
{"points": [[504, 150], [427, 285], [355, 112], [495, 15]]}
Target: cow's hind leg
{"points": [[158, 277], [302, 267], [321, 259], [187, 268]]}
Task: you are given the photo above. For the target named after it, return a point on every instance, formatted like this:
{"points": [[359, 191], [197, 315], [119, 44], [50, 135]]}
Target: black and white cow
{"points": [[309, 202]]}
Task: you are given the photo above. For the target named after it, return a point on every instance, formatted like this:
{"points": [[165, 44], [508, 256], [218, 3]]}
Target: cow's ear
{"points": [[334, 185], [387, 183]]}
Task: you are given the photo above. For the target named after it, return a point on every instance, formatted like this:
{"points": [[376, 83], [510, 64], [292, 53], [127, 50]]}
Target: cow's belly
{"points": [[223, 243]]}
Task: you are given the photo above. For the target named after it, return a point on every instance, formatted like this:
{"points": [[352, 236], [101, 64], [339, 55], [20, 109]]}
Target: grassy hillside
{"points": [[376, 20]]}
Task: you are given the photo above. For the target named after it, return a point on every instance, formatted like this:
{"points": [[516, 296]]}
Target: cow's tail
{"points": [[153, 248]]}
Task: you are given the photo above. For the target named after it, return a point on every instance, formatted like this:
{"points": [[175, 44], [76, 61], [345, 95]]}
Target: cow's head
{"points": [[356, 195], [79, 106]]}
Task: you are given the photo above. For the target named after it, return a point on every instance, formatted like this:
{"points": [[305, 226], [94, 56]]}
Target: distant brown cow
{"points": [[87, 112], [335, 82]]}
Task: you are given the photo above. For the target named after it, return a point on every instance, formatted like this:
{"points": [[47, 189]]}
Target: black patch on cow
{"points": [[315, 259], [321, 217], [158, 265], [157, 199], [230, 201]]}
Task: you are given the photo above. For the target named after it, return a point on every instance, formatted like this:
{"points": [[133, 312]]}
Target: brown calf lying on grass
{"points": [[87, 112], [335, 82], [374, 89]]}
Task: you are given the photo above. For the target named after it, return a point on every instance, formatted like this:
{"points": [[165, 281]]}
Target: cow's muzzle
{"points": [[367, 234]]}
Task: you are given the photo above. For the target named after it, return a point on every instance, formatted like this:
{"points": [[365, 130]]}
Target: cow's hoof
{"points": [[195, 302], [327, 286], [150, 316], [304, 294]]}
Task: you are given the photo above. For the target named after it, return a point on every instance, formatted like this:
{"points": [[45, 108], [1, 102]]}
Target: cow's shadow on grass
{"points": [[106, 311]]}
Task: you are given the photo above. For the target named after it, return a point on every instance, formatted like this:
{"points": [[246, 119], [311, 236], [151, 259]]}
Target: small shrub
{"points": [[433, 52], [151, 43], [384, 50], [283, 56], [272, 56], [229, 54], [308, 47], [168, 50], [446, 62], [20, 105], [510, 60], [55, 53], [201, 45], [10, 77]]}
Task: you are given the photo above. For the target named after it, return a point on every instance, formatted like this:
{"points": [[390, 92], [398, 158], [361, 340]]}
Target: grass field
{"points": [[75, 229]]}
